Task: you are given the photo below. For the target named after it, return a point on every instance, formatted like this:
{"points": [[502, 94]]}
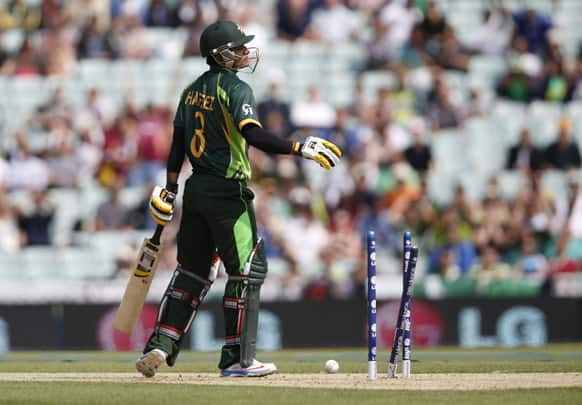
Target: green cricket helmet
{"points": [[220, 37]]}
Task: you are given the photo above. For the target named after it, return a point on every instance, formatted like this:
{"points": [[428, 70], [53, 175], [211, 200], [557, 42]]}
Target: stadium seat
{"points": [[81, 263], [449, 149], [39, 262], [10, 265], [92, 194], [374, 80], [486, 145], [474, 183], [488, 68], [574, 113], [511, 182], [440, 187], [510, 118], [339, 89], [543, 119], [554, 183], [67, 203]]}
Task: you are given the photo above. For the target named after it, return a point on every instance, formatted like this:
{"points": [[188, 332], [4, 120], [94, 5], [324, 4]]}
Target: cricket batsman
{"points": [[214, 125]]}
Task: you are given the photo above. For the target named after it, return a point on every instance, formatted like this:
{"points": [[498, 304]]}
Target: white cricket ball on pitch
{"points": [[331, 366]]}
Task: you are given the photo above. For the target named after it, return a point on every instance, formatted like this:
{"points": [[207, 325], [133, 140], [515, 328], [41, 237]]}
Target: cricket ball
{"points": [[331, 366]]}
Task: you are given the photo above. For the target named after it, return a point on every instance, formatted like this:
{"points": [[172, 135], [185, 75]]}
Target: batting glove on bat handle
{"points": [[322, 151], [162, 205]]}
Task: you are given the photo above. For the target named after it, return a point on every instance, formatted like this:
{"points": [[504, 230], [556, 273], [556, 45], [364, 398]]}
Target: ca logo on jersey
{"points": [[247, 109]]}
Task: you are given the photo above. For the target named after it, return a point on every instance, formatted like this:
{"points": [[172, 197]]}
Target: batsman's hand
{"points": [[162, 205], [323, 152]]}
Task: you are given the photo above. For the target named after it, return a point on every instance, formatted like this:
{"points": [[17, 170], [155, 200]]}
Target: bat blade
{"points": [[137, 287]]}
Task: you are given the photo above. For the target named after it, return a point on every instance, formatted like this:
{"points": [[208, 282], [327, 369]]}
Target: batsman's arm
{"points": [[175, 157], [162, 199], [322, 151]]}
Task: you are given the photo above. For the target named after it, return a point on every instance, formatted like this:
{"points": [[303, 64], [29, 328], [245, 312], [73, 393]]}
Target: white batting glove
{"points": [[323, 152], [162, 205]]}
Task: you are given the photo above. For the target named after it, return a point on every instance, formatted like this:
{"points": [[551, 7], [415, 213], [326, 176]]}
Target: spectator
{"points": [[540, 214], [55, 107], [161, 14], [450, 54], [19, 14], [402, 194], [27, 61], [314, 112], [490, 269], [463, 251], [492, 229], [394, 137], [78, 11], [569, 240], [294, 18], [119, 151], [35, 226], [191, 15], [419, 154], [343, 253], [521, 59], [112, 214], [341, 131], [563, 154], [441, 111], [139, 216], [413, 54], [532, 265], [397, 20], [92, 41], [153, 146], [57, 50], [555, 84], [375, 216], [62, 159], [466, 211], [135, 42], [401, 99], [433, 24], [302, 231], [516, 85], [334, 23], [89, 154], [524, 156], [25, 170], [494, 35], [273, 109], [534, 28]]}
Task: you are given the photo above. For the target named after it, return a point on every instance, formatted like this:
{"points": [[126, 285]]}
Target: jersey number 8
{"points": [[198, 134]]}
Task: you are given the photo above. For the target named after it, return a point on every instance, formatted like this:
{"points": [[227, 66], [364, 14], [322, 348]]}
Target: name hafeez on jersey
{"points": [[201, 100]]}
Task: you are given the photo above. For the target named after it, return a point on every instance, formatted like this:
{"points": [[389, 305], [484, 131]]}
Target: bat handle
{"points": [[157, 235]]}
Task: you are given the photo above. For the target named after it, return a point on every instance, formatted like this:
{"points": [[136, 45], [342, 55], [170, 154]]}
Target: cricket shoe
{"points": [[149, 362], [257, 369]]}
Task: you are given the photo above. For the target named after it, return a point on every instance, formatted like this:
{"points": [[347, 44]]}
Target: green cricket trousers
{"points": [[218, 216]]}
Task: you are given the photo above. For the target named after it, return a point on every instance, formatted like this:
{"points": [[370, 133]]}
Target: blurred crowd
{"points": [[314, 222]]}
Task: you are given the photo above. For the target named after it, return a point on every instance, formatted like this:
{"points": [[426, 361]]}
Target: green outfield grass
{"points": [[552, 358]]}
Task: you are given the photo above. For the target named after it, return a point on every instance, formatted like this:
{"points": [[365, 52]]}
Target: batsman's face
{"points": [[243, 53]]}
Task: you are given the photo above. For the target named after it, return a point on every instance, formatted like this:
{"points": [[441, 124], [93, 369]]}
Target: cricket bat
{"points": [[139, 284]]}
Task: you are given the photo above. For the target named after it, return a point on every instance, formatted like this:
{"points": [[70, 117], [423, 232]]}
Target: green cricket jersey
{"points": [[213, 110]]}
